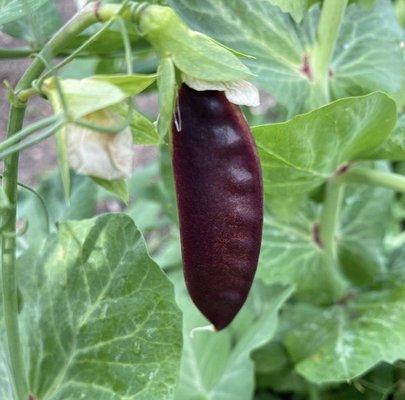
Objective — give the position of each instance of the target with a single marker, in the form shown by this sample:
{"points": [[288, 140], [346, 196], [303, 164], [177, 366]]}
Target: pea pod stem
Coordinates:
{"points": [[87, 16], [328, 30], [375, 177]]}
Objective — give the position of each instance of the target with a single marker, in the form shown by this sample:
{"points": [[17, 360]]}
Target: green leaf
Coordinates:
{"points": [[230, 372], [147, 208], [299, 155], [394, 147], [367, 57], [260, 29], [82, 205], [143, 130], [396, 273], [291, 254], [365, 218], [84, 96], [80, 68], [296, 8], [192, 52], [168, 254], [118, 187], [368, 54], [167, 93], [99, 92], [108, 43], [152, 213], [6, 391], [15, 9], [36, 22], [166, 172], [129, 84], [147, 215], [99, 316], [270, 358], [95, 93], [365, 3], [343, 341]]}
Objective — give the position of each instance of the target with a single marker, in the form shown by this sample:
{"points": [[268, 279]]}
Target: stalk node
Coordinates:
{"points": [[13, 96], [343, 169], [96, 9]]}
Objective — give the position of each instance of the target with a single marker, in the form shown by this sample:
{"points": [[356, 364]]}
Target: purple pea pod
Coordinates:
{"points": [[220, 201]]}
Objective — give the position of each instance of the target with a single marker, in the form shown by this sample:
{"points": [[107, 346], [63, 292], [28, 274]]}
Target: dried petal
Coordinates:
{"points": [[238, 92], [102, 155]]}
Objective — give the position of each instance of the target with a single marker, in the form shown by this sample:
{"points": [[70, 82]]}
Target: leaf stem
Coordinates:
{"points": [[330, 215], [375, 177], [41, 200], [16, 52], [127, 46], [313, 392], [49, 131], [87, 16], [23, 133], [328, 229], [328, 30]]}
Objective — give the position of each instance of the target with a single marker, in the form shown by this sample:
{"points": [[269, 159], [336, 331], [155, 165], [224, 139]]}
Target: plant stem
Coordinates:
{"points": [[330, 215], [84, 18], [24, 95], [336, 283], [375, 177], [16, 53], [328, 30], [313, 392], [10, 302]]}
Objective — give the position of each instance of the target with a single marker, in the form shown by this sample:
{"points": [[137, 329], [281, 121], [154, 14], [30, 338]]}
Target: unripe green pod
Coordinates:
{"points": [[220, 201]]}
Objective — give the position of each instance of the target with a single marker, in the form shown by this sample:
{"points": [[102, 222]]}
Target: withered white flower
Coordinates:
{"points": [[102, 155], [239, 92]]}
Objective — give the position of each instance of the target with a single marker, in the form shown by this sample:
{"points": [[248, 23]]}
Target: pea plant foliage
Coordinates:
{"points": [[94, 304]]}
